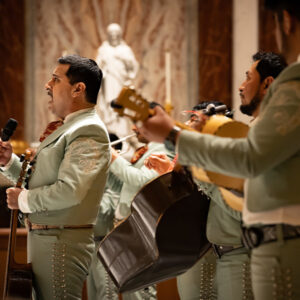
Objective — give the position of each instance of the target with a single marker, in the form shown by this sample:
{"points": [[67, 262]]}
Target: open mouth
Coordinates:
{"points": [[49, 93]]}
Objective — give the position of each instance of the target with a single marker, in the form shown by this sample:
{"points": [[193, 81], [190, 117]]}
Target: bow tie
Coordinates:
{"points": [[138, 154], [52, 126]]}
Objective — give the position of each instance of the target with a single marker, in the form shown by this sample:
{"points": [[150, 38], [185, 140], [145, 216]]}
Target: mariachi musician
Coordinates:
{"points": [[68, 181], [232, 278], [126, 179], [202, 281]]}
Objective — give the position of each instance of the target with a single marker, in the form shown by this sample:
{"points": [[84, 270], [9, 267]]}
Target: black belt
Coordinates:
{"points": [[220, 250], [32, 226], [254, 236]]}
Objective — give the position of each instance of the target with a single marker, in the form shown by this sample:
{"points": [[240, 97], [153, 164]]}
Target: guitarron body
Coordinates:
{"points": [[162, 238]]}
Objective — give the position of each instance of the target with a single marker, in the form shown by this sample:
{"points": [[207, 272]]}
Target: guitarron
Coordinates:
{"points": [[164, 235]]}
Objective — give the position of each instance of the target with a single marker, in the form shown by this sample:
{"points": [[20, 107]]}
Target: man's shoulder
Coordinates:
{"points": [[86, 118], [289, 76], [159, 148], [88, 122], [285, 89]]}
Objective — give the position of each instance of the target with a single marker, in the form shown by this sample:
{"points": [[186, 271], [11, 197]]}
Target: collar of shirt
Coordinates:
{"points": [[71, 116]]}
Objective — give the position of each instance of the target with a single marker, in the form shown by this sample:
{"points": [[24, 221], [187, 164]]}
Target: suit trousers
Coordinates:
{"points": [[197, 282], [233, 280], [60, 261], [275, 270], [99, 284]]}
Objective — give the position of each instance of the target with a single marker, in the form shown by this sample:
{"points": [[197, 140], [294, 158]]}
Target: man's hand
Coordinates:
{"points": [[5, 152], [12, 197], [160, 163], [157, 127], [114, 154]]}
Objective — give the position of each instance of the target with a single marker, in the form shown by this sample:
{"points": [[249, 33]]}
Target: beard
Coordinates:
{"points": [[249, 109]]}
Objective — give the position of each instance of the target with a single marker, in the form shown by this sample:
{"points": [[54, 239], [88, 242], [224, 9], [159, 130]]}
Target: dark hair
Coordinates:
{"points": [[202, 105], [277, 6], [270, 64], [84, 70]]}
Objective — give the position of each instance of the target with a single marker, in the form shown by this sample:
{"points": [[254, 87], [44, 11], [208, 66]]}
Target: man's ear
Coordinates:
{"points": [[266, 83], [78, 89]]}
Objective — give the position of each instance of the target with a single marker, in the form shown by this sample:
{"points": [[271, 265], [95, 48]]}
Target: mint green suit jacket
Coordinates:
{"points": [[134, 176], [70, 172], [223, 223]]}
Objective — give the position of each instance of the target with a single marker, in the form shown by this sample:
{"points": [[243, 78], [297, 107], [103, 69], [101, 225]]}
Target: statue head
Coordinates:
{"points": [[114, 34]]}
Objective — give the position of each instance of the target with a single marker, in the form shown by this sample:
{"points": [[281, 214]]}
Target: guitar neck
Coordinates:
{"points": [[12, 238], [11, 263]]}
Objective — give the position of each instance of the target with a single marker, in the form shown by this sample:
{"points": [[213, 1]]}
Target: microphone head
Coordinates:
{"points": [[9, 129]]}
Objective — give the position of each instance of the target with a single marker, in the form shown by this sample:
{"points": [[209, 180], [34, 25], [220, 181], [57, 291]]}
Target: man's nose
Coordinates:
{"points": [[48, 85], [241, 88]]}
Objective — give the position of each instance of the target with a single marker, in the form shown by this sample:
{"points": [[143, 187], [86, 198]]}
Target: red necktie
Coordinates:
{"points": [[52, 126], [138, 154]]}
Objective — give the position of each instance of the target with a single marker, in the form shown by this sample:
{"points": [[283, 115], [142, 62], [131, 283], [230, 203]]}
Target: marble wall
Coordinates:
{"points": [[267, 39], [215, 50], [211, 43], [12, 53], [245, 44], [79, 26]]}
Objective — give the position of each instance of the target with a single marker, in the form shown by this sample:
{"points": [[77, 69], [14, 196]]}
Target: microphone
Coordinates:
{"points": [[9, 129]]}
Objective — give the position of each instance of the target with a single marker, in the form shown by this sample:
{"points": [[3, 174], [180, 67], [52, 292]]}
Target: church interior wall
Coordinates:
{"points": [[200, 35]]}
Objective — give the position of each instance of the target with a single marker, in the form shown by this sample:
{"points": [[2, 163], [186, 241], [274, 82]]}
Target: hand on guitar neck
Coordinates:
{"points": [[157, 127], [134, 106], [12, 197]]}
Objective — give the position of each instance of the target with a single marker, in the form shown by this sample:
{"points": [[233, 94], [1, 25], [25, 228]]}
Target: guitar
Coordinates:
{"points": [[18, 277], [134, 106]]}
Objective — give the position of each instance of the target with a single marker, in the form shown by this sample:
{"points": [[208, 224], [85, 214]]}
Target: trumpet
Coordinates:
{"points": [[122, 139]]}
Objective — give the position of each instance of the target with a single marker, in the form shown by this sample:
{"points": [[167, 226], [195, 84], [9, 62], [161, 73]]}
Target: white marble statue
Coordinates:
{"points": [[119, 67]]}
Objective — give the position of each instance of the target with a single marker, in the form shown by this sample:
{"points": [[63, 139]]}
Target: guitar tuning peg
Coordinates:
{"points": [[32, 162], [29, 171], [139, 124], [22, 157]]}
